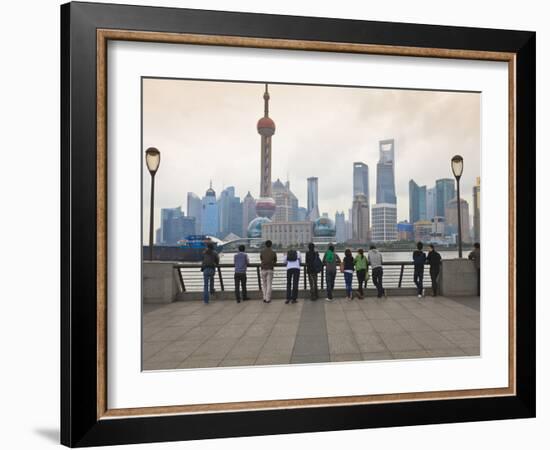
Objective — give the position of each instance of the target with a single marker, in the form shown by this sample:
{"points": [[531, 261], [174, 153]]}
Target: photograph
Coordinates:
{"points": [[288, 223]]}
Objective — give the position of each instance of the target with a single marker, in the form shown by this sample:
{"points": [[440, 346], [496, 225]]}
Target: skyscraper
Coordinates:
{"points": [[313, 198], [384, 222], [417, 202], [249, 211], [286, 202], [230, 212], [265, 205], [451, 218], [174, 226], [209, 213], [431, 199], [361, 179], [477, 198], [340, 223], [445, 192], [385, 173], [194, 206], [360, 218]]}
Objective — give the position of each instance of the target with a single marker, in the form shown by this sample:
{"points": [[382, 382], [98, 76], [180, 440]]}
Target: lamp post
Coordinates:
{"points": [[457, 166], [152, 159]]}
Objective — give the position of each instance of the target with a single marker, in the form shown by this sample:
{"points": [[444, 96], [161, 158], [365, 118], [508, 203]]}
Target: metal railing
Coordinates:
{"points": [[396, 274]]}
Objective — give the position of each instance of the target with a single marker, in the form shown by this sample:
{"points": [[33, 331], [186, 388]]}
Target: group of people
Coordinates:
{"points": [[331, 263]]}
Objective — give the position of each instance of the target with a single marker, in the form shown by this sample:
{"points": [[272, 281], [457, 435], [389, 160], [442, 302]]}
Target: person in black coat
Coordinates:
{"points": [[419, 259], [434, 260]]}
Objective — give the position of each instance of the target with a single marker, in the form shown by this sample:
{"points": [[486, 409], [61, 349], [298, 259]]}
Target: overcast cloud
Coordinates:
{"points": [[207, 131]]}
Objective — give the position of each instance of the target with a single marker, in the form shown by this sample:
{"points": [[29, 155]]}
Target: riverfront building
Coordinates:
{"points": [[445, 192], [384, 222], [194, 207], [231, 213], [210, 214], [405, 231], [438, 228], [288, 234], [340, 224], [423, 231], [174, 225], [360, 218], [361, 179], [477, 198], [385, 173], [249, 212], [313, 198], [417, 202], [431, 202], [286, 202], [451, 218]]}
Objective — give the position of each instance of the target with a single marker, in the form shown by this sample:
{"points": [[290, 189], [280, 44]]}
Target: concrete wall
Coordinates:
{"points": [[160, 283], [458, 278]]}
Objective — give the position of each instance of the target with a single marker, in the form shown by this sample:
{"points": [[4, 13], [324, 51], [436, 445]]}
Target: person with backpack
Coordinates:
{"points": [[268, 259], [348, 267], [293, 261], [375, 260], [419, 259], [434, 260], [210, 261], [475, 256], [361, 269], [331, 260], [314, 265]]}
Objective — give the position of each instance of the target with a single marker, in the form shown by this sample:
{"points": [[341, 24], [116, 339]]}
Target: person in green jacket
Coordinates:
{"points": [[361, 269]]}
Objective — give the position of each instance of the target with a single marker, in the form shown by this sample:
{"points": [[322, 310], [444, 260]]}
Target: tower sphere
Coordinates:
{"points": [[265, 207], [266, 126]]}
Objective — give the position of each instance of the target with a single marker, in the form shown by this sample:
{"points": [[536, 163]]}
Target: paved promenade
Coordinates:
{"points": [[189, 334]]}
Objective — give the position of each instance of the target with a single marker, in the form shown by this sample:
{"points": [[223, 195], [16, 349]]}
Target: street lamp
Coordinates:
{"points": [[457, 166], [152, 159]]}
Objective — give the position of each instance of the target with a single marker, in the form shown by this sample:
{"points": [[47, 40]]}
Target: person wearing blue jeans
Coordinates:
{"points": [[210, 261], [348, 268]]}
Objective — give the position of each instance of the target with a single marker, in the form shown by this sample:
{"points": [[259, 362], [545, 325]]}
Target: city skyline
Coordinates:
{"points": [[331, 162]]}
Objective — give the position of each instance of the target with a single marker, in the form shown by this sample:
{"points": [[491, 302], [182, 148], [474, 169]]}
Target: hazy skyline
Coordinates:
{"points": [[206, 131]]}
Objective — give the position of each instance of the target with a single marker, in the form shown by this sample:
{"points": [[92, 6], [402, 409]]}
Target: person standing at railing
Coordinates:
{"points": [[268, 259], [475, 256], [375, 260], [293, 261], [361, 269], [348, 267], [241, 262], [331, 260], [314, 265], [210, 261], [434, 260], [419, 259]]}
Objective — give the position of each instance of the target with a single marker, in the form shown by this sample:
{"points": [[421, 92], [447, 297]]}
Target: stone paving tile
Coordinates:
{"points": [[267, 360], [215, 348], [412, 354], [284, 329], [386, 326], [462, 338], [259, 330], [167, 334], [150, 348], [414, 324], [237, 362], [364, 326], [440, 324], [309, 358], [342, 357], [376, 314], [432, 340], [397, 342], [471, 351], [342, 343], [278, 344], [339, 326], [199, 363], [231, 331], [310, 345], [201, 332], [450, 352], [163, 365], [376, 356], [247, 347], [370, 343]]}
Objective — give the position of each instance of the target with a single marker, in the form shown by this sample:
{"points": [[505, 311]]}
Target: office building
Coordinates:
{"points": [[417, 202], [360, 219], [313, 198], [384, 222], [249, 211], [361, 179], [423, 231], [286, 203], [438, 228], [451, 217], [340, 223], [209, 214], [385, 173], [230, 212], [445, 192], [194, 207], [477, 198], [431, 201], [288, 234], [405, 231], [174, 226]]}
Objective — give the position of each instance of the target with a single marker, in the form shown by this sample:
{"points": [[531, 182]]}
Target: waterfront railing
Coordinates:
{"points": [[396, 274]]}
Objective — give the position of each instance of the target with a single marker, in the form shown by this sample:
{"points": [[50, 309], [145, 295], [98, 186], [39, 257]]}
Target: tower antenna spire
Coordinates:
{"points": [[266, 102]]}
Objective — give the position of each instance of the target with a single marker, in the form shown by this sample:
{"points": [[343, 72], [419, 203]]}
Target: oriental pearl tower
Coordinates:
{"points": [[265, 205]]}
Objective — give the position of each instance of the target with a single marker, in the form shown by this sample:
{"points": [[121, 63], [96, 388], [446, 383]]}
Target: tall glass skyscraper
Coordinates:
{"points": [[194, 207], [385, 173], [445, 192], [361, 180], [431, 200], [417, 202], [313, 198], [209, 213]]}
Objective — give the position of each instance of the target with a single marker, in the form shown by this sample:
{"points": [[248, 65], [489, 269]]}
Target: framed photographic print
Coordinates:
{"points": [[275, 224]]}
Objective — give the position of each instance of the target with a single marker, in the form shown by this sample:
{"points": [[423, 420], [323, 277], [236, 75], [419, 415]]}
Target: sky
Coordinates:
{"points": [[206, 130]]}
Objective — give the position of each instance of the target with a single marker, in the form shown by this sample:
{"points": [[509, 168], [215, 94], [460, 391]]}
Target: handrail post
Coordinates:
{"points": [[220, 278], [322, 279], [305, 278], [259, 278], [180, 276], [401, 275]]}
